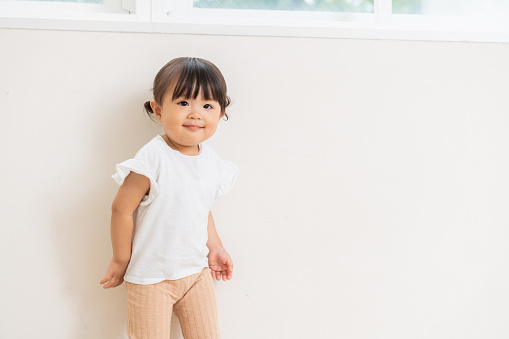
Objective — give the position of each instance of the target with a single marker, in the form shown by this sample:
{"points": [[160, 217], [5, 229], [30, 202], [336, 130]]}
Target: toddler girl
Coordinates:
{"points": [[165, 245]]}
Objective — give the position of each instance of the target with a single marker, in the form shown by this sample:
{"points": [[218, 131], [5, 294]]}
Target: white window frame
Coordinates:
{"points": [[56, 15], [179, 16]]}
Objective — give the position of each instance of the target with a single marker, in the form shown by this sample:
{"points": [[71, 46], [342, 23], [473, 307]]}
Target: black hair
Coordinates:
{"points": [[192, 75]]}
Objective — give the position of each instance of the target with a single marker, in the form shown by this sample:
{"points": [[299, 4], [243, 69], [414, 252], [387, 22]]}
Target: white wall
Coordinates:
{"points": [[372, 201]]}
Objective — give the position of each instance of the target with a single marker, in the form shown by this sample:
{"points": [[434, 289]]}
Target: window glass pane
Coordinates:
{"points": [[80, 1], [407, 6], [364, 6], [477, 8]]}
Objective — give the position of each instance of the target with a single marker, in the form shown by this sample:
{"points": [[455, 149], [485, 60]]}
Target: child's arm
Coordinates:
{"points": [[220, 262], [213, 241], [126, 201]]}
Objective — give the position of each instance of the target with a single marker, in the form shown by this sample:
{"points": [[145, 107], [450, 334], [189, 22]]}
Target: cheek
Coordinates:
{"points": [[212, 123], [173, 120]]}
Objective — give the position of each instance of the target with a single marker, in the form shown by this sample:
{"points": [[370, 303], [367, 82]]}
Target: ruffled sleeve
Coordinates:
{"points": [[228, 172], [122, 171]]}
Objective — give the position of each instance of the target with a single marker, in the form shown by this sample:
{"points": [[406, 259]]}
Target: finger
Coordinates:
{"points": [[229, 270], [118, 283], [218, 275], [105, 279], [111, 283]]}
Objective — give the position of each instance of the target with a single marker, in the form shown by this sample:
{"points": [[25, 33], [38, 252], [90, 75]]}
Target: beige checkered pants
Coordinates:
{"points": [[192, 299]]}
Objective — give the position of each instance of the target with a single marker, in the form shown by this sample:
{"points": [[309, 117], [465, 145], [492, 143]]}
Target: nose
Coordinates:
{"points": [[194, 113]]}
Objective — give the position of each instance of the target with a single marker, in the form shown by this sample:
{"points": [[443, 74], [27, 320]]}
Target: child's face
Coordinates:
{"points": [[179, 117]]}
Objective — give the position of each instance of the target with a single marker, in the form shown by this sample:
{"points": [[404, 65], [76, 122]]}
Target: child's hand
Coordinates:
{"points": [[115, 274], [220, 264]]}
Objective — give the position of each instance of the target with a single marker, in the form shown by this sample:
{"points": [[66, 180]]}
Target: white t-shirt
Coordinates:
{"points": [[170, 225]]}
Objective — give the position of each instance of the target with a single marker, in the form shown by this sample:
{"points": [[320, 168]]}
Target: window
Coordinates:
{"points": [[364, 6], [471, 8], [99, 15], [463, 20], [85, 1]]}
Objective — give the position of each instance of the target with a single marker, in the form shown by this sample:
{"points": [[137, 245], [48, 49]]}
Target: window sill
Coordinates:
{"points": [[402, 30]]}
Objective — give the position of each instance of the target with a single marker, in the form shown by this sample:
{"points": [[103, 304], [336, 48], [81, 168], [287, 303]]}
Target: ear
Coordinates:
{"points": [[222, 114], [156, 109]]}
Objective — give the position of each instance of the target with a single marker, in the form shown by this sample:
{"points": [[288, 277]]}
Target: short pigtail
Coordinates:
{"points": [[227, 102], [148, 108], [149, 111]]}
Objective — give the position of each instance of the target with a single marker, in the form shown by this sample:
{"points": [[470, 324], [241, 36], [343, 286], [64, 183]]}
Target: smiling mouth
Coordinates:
{"points": [[192, 127]]}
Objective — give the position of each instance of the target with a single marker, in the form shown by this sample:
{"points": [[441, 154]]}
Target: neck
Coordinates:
{"points": [[189, 149]]}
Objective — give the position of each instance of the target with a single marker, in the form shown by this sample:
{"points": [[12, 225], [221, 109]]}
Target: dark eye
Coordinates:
{"points": [[183, 103], [207, 106]]}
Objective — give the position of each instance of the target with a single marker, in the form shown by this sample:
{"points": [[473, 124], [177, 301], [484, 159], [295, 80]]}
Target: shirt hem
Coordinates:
{"points": [[149, 281]]}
